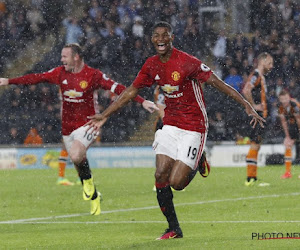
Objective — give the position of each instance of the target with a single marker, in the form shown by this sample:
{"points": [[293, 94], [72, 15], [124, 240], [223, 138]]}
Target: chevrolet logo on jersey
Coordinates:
{"points": [[73, 93], [169, 88]]}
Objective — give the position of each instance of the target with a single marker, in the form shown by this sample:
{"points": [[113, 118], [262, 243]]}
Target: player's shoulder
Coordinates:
{"points": [[56, 69], [89, 68], [152, 60], [186, 56], [253, 77], [255, 73]]}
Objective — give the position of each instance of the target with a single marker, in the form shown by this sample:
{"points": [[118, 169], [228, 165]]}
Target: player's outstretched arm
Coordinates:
{"points": [[3, 81], [98, 120], [216, 82]]}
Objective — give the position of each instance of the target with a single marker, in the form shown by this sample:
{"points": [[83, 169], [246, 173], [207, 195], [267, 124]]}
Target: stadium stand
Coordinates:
{"points": [[115, 36]]}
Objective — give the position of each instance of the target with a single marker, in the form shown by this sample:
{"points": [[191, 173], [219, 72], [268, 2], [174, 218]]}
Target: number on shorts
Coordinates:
{"points": [[88, 136], [193, 151]]}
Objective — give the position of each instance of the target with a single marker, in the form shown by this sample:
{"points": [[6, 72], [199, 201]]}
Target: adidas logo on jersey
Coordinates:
{"points": [[157, 78], [65, 81]]}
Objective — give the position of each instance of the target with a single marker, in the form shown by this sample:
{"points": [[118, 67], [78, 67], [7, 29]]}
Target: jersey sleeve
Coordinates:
{"points": [[254, 79], [104, 82], [143, 78], [199, 70], [52, 76]]}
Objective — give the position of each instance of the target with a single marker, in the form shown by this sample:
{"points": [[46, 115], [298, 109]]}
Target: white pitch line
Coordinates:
{"points": [[147, 208], [155, 222]]}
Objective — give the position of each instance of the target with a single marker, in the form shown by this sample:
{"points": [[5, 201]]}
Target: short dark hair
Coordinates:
{"points": [[164, 25], [76, 49], [283, 92]]}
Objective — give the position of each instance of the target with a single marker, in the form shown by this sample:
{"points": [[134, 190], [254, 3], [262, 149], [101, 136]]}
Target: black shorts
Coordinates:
{"points": [[293, 131], [257, 134]]}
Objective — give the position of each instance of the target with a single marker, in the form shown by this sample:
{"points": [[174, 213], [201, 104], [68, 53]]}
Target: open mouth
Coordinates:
{"points": [[161, 46]]}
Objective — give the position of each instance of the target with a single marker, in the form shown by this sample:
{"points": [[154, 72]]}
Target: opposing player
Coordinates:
{"points": [[180, 143], [255, 92], [289, 114], [78, 82]]}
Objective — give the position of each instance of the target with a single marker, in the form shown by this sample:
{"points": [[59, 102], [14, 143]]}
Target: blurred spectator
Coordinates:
{"points": [[240, 43], [234, 80], [280, 85], [191, 37], [94, 9], [294, 88], [74, 33], [284, 69], [113, 45], [33, 138], [53, 13], [218, 127], [137, 27], [238, 60], [220, 49], [286, 10], [36, 21], [13, 137]]}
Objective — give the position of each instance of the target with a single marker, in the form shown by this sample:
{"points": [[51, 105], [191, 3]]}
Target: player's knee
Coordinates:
{"points": [[161, 176], [76, 158]]}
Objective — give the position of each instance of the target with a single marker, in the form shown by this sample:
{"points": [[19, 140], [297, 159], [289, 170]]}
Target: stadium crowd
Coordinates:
{"points": [[115, 36]]}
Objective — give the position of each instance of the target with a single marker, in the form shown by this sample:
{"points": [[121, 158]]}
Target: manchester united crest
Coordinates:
{"points": [[175, 76], [83, 84]]}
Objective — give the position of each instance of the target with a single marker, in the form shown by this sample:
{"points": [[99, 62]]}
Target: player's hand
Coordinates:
{"points": [[258, 107], [150, 106], [256, 118], [95, 123], [3, 81]]}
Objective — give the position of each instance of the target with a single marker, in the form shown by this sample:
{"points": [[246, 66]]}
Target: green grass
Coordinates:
{"points": [[218, 212]]}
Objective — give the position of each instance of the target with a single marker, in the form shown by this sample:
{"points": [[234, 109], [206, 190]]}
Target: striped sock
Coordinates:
{"points": [[251, 160], [62, 162], [288, 159]]}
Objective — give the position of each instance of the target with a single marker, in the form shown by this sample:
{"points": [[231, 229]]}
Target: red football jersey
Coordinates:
{"points": [[180, 80], [77, 91]]}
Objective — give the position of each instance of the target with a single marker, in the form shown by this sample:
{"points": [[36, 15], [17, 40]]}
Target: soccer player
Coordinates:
{"points": [[289, 114], [180, 143], [78, 82], [203, 165], [255, 92]]}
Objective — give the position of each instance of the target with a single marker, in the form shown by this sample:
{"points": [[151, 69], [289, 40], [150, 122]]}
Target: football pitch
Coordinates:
{"points": [[218, 212]]}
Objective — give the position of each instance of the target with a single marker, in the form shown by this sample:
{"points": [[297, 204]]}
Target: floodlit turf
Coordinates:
{"points": [[218, 212]]}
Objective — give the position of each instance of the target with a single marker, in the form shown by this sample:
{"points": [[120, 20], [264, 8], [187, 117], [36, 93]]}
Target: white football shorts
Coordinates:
{"points": [[81, 134], [179, 144]]}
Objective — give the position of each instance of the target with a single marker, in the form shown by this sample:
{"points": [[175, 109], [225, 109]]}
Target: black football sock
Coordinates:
{"points": [[84, 170], [85, 174], [165, 201]]}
